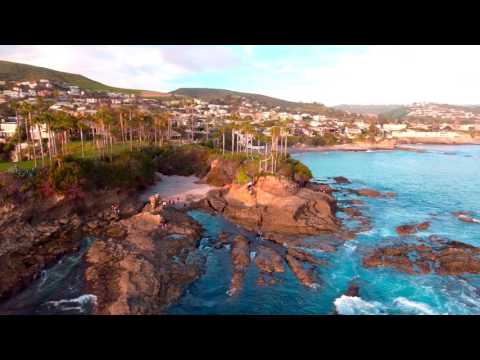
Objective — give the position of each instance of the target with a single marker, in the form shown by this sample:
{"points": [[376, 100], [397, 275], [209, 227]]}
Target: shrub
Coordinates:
{"points": [[302, 173], [241, 177]]}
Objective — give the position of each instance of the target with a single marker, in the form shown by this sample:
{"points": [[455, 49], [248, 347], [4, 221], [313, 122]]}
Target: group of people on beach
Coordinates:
{"points": [[116, 210], [170, 202]]}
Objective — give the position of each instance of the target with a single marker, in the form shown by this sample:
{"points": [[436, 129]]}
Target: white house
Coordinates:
{"points": [[394, 127]]}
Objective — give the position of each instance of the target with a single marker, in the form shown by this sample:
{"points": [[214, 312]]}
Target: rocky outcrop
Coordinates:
{"points": [[324, 188], [276, 205], [466, 216], [305, 276], [148, 268], [373, 193], [409, 229], [37, 231], [268, 260], [240, 260], [222, 172], [341, 180], [442, 257], [304, 256]]}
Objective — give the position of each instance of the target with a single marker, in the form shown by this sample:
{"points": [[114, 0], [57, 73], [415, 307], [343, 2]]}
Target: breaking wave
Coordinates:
{"points": [[354, 305], [414, 307]]}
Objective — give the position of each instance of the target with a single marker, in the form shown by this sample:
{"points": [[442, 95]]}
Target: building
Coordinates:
{"points": [[394, 127], [74, 90], [8, 127], [424, 134]]}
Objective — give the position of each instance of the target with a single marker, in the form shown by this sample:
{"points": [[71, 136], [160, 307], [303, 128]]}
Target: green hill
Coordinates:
{"points": [[11, 71], [229, 97]]}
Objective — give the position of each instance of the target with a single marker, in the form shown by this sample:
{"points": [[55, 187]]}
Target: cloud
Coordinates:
{"points": [[144, 67], [327, 74], [384, 74]]}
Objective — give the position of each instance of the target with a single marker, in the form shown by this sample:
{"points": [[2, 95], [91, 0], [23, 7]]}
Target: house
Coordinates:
{"points": [[352, 132], [91, 100], [394, 127], [8, 127], [11, 93], [424, 134], [74, 90]]}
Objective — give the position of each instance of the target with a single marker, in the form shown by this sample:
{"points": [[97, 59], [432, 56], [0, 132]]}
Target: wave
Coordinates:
{"points": [[77, 304], [354, 305], [409, 306]]}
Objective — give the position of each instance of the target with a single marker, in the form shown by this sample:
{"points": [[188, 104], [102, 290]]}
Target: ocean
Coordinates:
{"points": [[430, 185]]}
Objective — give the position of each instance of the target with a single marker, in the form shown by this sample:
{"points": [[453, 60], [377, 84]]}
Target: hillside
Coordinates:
{"points": [[368, 109], [11, 71], [231, 97]]}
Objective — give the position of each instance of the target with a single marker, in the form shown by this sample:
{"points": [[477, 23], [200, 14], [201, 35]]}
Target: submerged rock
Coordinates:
{"points": [[305, 276], [443, 258], [240, 260], [466, 216], [304, 256], [341, 180], [268, 260], [373, 193], [408, 229]]}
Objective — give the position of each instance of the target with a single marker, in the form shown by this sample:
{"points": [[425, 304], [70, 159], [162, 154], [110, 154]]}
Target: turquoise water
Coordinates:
{"points": [[429, 186]]}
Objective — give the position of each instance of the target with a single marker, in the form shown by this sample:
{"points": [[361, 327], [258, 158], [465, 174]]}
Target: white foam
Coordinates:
{"points": [[80, 302], [354, 305], [350, 247], [410, 306], [253, 254], [314, 286]]}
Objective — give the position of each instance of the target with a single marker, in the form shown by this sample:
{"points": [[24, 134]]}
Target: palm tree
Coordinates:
{"points": [[275, 135], [26, 111], [38, 120]]}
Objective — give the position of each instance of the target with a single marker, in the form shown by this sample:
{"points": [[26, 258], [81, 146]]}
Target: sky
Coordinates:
{"points": [[332, 75]]}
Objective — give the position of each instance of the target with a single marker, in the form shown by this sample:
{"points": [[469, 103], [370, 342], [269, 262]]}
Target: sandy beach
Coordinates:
{"points": [[181, 189]]}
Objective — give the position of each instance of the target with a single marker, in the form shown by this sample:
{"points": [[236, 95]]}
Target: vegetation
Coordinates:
{"points": [[17, 72], [221, 96], [327, 139], [5, 151], [73, 176]]}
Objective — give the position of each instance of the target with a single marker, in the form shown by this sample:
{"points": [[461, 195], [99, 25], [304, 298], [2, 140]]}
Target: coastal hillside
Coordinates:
{"points": [[229, 97], [12, 71], [369, 109]]}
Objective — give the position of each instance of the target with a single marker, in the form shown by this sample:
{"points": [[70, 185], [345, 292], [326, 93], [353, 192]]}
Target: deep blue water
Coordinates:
{"points": [[429, 186]]}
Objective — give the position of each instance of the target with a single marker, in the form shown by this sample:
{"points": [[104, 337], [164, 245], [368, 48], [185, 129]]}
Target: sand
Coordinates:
{"points": [[174, 187]]}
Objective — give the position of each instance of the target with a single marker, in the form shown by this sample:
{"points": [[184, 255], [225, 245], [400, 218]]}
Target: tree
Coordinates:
{"points": [[471, 131], [26, 110], [372, 131]]}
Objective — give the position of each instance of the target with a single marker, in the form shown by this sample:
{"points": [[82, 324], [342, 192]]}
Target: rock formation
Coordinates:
{"points": [[148, 268], [276, 205], [441, 257], [372, 193], [240, 260], [408, 229], [341, 180], [37, 231]]}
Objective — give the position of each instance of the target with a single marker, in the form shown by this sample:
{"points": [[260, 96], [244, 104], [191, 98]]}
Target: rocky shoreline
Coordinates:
{"points": [[387, 145], [145, 255]]}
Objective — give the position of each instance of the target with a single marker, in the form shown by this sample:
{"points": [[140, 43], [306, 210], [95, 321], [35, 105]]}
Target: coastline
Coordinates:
{"points": [[382, 146]]}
